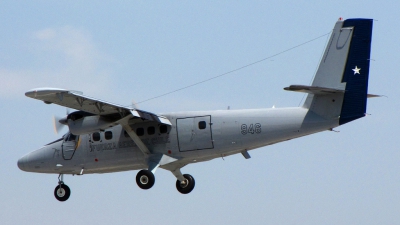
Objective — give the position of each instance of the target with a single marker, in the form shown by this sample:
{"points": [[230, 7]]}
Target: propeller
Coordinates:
{"points": [[57, 125], [60, 122]]}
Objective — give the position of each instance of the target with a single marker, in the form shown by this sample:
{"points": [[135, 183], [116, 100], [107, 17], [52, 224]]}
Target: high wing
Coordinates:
{"points": [[76, 100]]}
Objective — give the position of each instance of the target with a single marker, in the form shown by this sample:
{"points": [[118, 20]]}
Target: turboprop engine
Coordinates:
{"points": [[80, 122]]}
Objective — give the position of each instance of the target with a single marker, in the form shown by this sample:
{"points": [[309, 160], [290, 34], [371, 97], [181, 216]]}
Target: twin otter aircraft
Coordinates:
{"points": [[104, 137]]}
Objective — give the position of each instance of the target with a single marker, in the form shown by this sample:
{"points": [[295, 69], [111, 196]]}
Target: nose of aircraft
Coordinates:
{"points": [[35, 161], [22, 162]]}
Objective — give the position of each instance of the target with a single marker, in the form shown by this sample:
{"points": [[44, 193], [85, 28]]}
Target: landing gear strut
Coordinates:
{"points": [[62, 191], [145, 179]]}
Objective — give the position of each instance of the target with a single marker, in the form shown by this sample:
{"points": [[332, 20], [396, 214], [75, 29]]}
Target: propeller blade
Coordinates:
{"points": [[134, 104], [57, 125]]}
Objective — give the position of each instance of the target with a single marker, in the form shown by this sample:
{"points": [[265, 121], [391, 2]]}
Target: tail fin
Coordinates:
{"points": [[340, 87]]}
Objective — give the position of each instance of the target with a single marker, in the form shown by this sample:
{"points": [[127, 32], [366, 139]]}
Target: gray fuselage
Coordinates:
{"points": [[193, 137]]}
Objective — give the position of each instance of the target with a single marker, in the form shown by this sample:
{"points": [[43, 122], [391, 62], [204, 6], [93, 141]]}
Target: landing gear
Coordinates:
{"points": [[145, 179], [62, 191], [185, 186]]}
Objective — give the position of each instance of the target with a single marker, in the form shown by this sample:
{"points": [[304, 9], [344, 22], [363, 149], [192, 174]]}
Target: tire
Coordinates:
{"points": [[145, 179], [62, 192], [188, 187]]}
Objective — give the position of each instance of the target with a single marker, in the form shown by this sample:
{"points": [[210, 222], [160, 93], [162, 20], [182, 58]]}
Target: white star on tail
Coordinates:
{"points": [[356, 70]]}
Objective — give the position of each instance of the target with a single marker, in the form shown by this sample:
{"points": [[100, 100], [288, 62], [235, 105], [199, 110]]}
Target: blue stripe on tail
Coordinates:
{"points": [[355, 97]]}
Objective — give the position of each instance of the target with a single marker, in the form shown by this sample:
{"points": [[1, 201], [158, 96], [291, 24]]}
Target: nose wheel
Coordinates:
{"points": [[62, 191]]}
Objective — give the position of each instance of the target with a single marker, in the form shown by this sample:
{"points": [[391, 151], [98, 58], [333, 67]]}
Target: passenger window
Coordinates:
{"points": [[163, 129], [139, 131], [108, 135], [96, 136], [151, 130], [202, 125]]}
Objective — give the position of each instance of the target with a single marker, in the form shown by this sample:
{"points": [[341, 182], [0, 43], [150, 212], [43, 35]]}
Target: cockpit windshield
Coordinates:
{"points": [[69, 137]]}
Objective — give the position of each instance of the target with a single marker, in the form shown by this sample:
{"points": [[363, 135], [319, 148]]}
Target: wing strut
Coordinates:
{"points": [[136, 139], [153, 160]]}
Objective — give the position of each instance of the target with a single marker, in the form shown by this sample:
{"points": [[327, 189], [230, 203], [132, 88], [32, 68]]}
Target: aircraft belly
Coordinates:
{"points": [[114, 161]]}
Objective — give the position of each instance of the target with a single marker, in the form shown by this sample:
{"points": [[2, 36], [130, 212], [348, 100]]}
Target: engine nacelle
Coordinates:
{"points": [[89, 124]]}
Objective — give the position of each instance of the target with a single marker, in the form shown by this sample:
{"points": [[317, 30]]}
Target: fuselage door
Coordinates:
{"points": [[69, 146], [194, 133]]}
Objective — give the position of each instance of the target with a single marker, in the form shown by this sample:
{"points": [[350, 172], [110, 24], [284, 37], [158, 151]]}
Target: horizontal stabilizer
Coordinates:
{"points": [[313, 89]]}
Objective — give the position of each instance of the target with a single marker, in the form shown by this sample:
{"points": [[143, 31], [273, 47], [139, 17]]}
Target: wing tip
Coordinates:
{"points": [[43, 91]]}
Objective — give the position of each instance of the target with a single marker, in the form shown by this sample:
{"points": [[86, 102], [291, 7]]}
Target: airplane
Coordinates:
{"points": [[104, 137]]}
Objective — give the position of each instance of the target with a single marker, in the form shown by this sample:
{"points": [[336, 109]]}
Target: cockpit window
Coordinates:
{"points": [[71, 137]]}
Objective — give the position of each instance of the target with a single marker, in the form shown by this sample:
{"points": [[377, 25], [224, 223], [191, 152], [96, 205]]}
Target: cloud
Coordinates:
{"points": [[45, 34], [64, 57]]}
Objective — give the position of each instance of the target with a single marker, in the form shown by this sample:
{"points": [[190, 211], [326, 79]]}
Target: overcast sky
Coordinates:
{"points": [[128, 51]]}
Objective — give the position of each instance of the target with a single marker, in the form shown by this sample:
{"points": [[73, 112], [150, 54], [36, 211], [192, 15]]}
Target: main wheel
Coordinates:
{"points": [[62, 192], [186, 186], [145, 179]]}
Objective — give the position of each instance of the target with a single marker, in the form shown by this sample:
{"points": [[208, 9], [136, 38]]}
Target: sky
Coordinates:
{"points": [[131, 51]]}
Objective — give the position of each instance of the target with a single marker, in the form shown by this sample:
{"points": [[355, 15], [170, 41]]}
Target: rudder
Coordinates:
{"points": [[356, 72]]}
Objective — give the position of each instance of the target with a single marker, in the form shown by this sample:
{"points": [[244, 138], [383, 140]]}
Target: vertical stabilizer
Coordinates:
{"points": [[344, 67]]}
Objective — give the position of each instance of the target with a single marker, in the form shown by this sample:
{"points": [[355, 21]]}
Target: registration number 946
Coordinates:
{"points": [[250, 128]]}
